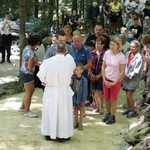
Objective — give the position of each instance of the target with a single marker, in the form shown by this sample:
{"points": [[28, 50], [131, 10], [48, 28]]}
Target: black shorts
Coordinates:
{"points": [[114, 17], [97, 86]]}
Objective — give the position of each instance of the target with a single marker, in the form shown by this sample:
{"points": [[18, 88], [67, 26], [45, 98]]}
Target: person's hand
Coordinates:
{"points": [[38, 63], [81, 104], [93, 77], [144, 71], [125, 77], [109, 84], [97, 77]]}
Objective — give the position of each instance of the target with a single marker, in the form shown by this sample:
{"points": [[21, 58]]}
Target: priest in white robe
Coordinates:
{"points": [[57, 112]]}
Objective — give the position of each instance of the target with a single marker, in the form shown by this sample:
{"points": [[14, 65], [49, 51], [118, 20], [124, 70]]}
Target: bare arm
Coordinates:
{"points": [[88, 65], [145, 58], [103, 71], [122, 73]]}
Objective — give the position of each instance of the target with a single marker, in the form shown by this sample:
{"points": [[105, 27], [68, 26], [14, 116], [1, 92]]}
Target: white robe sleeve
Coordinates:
{"points": [[42, 72]]}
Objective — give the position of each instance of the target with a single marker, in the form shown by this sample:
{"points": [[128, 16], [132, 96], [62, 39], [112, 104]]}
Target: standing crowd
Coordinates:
{"points": [[72, 71]]}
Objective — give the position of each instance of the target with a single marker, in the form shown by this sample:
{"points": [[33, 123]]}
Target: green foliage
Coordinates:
{"points": [[46, 9], [11, 88]]}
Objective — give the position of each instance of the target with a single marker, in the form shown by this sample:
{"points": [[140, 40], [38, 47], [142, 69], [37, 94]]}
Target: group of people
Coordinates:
{"points": [[118, 13], [59, 84], [72, 70]]}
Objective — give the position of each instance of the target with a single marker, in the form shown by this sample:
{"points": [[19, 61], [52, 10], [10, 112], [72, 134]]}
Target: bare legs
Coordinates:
{"points": [[130, 111], [26, 102], [98, 97], [76, 123], [76, 109], [130, 100], [111, 106]]}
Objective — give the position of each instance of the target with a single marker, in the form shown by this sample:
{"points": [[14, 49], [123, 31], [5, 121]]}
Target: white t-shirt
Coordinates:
{"points": [[129, 6], [112, 70], [126, 47], [139, 8], [6, 29]]}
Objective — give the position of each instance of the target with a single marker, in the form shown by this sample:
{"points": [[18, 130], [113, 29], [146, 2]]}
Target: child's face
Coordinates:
{"points": [[99, 45], [54, 40], [78, 71]]}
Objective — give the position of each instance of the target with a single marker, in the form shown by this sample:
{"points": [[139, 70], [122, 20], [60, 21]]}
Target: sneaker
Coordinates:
{"points": [[131, 114], [106, 117], [30, 114], [111, 120], [80, 127], [21, 110], [126, 112]]}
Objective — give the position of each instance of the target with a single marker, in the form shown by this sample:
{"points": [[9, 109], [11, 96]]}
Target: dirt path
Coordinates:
{"points": [[22, 133]]}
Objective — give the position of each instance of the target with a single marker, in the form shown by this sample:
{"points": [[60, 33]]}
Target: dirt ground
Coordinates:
{"points": [[18, 132]]}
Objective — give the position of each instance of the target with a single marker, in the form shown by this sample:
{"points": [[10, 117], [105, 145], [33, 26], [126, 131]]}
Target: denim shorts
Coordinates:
{"points": [[26, 78]]}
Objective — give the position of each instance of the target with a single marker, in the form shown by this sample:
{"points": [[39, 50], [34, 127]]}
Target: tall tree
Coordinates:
{"points": [[74, 3], [36, 9], [22, 12]]}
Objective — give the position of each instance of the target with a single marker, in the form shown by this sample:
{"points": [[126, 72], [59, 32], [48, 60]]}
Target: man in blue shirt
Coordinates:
{"points": [[61, 37], [81, 54]]}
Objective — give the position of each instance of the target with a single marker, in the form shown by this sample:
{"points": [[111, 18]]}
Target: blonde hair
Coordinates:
{"points": [[68, 26], [76, 32], [118, 42]]}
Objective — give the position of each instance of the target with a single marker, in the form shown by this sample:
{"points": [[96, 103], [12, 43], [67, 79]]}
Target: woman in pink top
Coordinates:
{"points": [[113, 69]]}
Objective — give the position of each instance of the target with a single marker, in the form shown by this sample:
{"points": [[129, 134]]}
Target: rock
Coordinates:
{"points": [[129, 138], [132, 134], [131, 148], [143, 145], [142, 126], [139, 132], [134, 124], [142, 133]]}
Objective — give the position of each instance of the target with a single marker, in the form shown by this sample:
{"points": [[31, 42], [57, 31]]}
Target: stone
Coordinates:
{"points": [[142, 133]]}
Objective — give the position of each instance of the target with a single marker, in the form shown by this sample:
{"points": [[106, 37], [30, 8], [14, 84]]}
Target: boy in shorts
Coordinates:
{"points": [[80, 88]]}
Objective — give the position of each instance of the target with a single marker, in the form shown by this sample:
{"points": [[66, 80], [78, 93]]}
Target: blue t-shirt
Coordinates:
{"points": [[82, 55]]}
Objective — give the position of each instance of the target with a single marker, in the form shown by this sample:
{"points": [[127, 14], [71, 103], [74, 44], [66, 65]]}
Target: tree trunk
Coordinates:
{"points": [[57, 14], [22, 12], [74, 4], [36, 9]]}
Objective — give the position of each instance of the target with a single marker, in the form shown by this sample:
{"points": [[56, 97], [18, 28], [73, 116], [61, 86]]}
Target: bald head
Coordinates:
{"points": [[77, 41]]}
